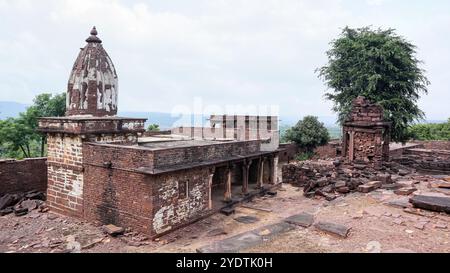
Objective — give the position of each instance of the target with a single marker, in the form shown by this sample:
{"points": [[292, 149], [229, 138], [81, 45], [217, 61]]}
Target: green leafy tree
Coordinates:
{"points": [[436, 131], [153, 128], [18, 136], [309, 133], [380, 65], [44, 105], [15, 136]]}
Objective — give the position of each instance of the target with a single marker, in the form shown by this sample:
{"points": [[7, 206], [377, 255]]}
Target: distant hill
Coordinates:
{"points": [[10, 109]]}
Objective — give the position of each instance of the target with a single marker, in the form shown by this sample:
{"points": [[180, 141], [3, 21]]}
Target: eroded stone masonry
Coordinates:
{"points": [[366, 135]]}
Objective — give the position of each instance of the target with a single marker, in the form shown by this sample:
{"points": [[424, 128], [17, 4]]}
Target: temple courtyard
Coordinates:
{"points": [[379, 221]]}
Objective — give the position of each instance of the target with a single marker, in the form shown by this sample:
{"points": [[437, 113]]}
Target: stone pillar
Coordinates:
{"points": [[245, 173], [351, 146], [210, 181], [274, 165], [227, 196], [386, 141], [344, 142], [261, 173]]}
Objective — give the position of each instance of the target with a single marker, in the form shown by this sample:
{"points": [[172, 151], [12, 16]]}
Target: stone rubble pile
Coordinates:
{"points": [[22, 203], [330, 179]]}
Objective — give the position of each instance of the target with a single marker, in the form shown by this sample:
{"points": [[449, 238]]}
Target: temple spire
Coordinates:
{"points": [[93, 84], [93, 38]]}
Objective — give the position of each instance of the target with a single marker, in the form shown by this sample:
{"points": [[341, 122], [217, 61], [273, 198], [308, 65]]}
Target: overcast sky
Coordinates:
{"points": [[254, 52]]}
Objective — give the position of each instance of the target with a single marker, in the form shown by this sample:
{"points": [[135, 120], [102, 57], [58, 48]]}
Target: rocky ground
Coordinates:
{"points": [[379, 221]]}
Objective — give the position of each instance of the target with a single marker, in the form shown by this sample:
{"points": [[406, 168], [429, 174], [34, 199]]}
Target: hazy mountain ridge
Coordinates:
{"points": [[167, 120]]}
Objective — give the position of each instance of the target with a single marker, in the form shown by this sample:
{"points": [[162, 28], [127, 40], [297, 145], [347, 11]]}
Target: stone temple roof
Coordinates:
{"points": [[93, 83]]}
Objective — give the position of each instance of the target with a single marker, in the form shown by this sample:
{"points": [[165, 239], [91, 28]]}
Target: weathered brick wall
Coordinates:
{"points": [[65, 174], [288, 152], [368, 145], [65, 169], [327, 151], [150, 204], [147, 203], [363, 110], [125, 157], [179, 198], [23, 175], [118, 197], [291, 150], [196, 154], [435, 145], [426, 159]]}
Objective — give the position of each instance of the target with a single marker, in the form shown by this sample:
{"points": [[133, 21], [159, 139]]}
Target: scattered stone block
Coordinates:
{"points": [[405, 191], [302, 219], [406, 183], [7, 201], [35, 195], [43, 208], [385, 178], [420, 225], [365, 188], [443, 185], [29, 204], [333, 228], [433, 203], [19, 211], [322, 182], [343, 190], [113, 230], [227, 211], [246, 219], [6, 211], [272, 193], [328, 197], [246, 240], [403, 172], [360, 166], [375, 184], [340, 184], [216, 232]]}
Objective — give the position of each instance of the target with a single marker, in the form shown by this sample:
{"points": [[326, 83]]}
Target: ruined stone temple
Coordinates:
{"points": [[102, 169], [366, 135]]}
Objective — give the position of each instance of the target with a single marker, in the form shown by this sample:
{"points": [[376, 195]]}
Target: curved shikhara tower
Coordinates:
{"points": [[93, 84]]}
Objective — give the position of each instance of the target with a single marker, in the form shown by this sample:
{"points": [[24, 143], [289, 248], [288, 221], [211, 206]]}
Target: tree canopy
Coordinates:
{"points": [[433, 131], [153, 128], [381, 66], [18, 136], [308, 133]]}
